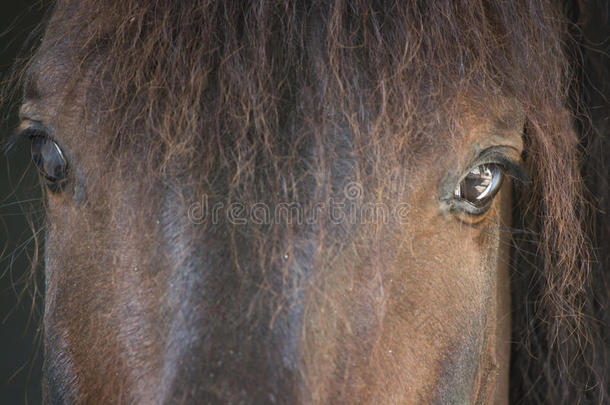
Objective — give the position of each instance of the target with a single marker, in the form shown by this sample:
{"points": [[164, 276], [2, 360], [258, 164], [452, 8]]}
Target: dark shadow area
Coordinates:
{"points": [[20, 219]]}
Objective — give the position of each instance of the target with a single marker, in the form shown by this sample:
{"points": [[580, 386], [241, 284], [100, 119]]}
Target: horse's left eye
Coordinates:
{"points": [[50, 161], [480, 185]]}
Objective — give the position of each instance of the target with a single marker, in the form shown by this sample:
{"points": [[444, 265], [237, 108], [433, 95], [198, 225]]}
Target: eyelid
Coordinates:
{"points": [[28, 130], [510, 167], [25, 131], [28, 125]]}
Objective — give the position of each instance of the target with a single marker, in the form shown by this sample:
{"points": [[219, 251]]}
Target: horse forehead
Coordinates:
{"points": [[51, 75]]}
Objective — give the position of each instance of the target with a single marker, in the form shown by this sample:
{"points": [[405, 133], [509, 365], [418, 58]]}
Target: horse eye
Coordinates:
{"points": [[480, 185], [50, 161]]}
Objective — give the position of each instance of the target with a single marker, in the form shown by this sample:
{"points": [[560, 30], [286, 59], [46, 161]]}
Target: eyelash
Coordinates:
{"points": [[509, 167], [28, 133]]}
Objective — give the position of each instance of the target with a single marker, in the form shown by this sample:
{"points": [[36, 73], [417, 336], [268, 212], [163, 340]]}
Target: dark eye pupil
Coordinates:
{"points": [[48, 158], [480, 184]]}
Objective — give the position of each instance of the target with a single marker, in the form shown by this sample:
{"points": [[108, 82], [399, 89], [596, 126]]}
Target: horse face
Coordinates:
{"points": [[165, 286]]}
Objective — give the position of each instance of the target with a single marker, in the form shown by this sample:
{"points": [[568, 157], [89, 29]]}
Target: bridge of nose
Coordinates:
{"points": [[234, 323]]}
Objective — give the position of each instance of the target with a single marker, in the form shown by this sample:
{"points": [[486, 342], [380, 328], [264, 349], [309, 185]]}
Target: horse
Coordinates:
{"points": [[327, 202]]}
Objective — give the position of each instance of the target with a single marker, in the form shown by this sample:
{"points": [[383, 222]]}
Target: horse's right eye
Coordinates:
{"points": [[50, 161], [480, 185], [474, 194]]}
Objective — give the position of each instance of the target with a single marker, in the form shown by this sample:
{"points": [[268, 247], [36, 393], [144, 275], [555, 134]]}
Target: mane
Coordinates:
{"points": [[561, 304], [267, 81]]}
